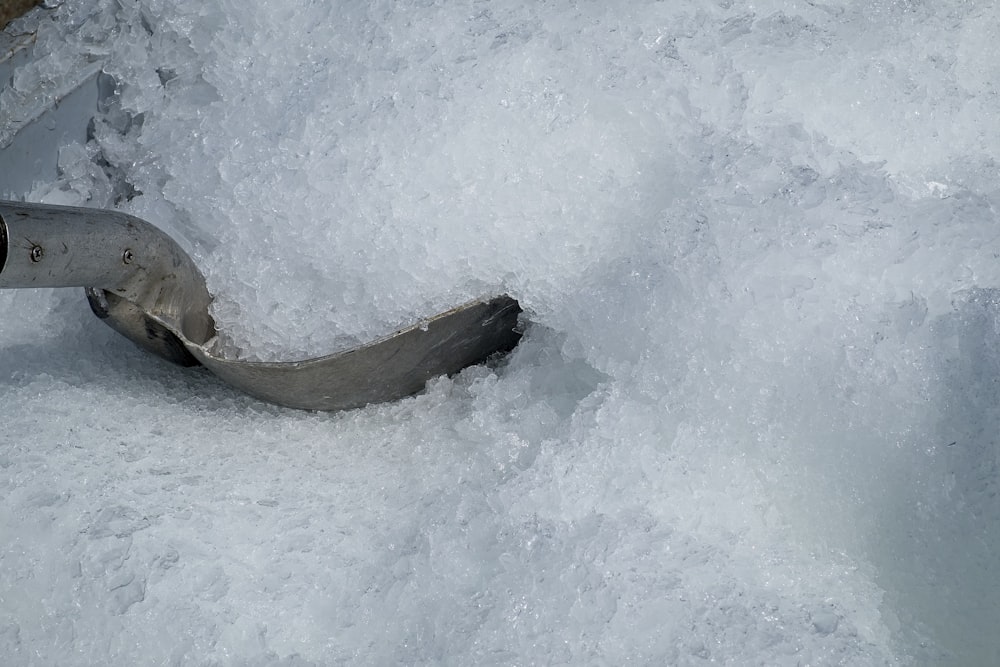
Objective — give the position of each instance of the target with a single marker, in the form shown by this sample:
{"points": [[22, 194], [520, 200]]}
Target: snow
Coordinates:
{"points": [[753, 418]]}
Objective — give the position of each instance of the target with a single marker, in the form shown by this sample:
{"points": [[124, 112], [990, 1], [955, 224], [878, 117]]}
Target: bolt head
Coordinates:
{"points": [[37, 252]]}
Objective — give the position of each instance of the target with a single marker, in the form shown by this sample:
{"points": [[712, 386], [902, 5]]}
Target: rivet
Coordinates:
{"points": [[37, 252], [127, 256]]}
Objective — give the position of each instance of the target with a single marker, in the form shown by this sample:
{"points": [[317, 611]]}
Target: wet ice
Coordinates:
{"points": [[751, 419]]}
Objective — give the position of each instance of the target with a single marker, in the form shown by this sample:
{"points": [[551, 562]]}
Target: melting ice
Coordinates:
{"points": [[753, 420]]}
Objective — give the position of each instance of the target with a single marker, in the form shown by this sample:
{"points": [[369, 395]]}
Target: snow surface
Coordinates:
{"points": [[754, 418]]}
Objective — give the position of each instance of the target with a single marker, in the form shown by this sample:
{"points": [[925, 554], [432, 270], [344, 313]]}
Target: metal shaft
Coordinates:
{"points": [[43, 245], [66, 247]]}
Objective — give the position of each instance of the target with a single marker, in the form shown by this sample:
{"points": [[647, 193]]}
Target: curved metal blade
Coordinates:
{"points": [[392, 367], [142, 284]]}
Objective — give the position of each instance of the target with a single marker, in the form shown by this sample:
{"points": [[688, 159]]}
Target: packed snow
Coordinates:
{"points": [[754, 416]]}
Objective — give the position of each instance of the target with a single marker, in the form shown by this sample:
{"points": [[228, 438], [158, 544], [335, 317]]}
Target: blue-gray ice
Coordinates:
{"points": [[754, 418]]}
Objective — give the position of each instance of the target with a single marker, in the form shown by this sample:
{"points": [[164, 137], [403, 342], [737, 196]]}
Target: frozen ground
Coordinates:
{"points": [[754, 418]]}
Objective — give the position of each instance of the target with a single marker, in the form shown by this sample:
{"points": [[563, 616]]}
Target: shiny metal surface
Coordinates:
{"points": [[390, 368], [155, 297], [142, 284]]}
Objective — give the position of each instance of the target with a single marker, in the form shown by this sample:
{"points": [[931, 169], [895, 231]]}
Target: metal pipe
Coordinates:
{"points": [[127, 258], [49, 246]]}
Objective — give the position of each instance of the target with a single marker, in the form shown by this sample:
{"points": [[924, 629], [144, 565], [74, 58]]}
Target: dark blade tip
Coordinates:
{"points": [[3, 244]]}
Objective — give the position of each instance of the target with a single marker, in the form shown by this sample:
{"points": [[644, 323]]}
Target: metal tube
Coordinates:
{"points": [[48, 246], [63, 246]]}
